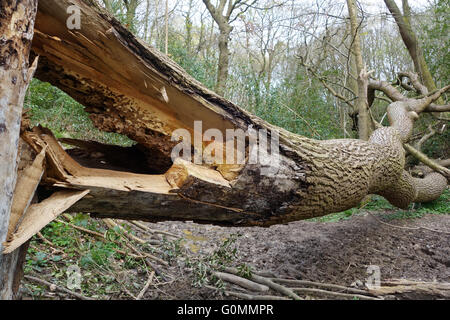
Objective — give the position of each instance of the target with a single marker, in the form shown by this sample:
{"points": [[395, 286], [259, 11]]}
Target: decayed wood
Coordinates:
{"points": [[16, 30], [132, 89], [410, 289], [26, 186]]}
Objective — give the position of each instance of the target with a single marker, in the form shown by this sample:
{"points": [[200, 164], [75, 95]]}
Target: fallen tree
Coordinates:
{"points": [[132, 89]]}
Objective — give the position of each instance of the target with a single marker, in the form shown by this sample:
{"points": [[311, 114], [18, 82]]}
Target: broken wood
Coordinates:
{"points": [[411, 289], [242, 282], [40, 214], [150, 97]]}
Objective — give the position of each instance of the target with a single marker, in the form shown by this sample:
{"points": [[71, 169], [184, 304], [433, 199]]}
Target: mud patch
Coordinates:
{"points": [[333, 252]]}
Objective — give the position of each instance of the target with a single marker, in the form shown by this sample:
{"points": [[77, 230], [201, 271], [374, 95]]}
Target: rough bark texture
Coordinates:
{"points": [[16, 30], [150, 96], [224, 57]]}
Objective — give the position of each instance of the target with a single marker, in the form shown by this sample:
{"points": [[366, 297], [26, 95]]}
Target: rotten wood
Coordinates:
{"points": [[16, 29]]}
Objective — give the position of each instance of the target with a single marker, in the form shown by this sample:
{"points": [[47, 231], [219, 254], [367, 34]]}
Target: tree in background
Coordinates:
{"points": [[223, 16]]}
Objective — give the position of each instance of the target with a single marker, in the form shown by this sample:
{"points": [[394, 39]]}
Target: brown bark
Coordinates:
{"points": [[147, 98], [224, 57]]}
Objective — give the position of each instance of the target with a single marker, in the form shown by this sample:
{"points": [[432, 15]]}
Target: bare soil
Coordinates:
{"points": [[332, 252]]}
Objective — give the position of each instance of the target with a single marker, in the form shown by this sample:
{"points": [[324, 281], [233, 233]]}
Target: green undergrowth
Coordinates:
{"points": [[108, 265], [105, 273], [52, 108], [377, 203]]}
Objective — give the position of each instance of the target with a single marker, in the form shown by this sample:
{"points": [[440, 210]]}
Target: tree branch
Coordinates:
{"points": [[427, 161]]}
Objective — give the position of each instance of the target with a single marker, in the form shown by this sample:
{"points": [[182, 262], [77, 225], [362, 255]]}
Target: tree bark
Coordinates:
{"points": [[150, 96], [16, 27], [224, 57], [364, 128], [130, 88]]}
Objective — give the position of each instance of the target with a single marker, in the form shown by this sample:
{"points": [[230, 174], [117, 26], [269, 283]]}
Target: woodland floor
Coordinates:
{"points": [[336, 252], [331, 252]]}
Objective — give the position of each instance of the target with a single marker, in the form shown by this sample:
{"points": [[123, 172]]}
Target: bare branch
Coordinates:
{"points": [[437, 108], [427, 161], [415, 82]]}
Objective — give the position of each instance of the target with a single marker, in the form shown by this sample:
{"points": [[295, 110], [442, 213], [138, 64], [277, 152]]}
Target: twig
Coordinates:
{"points": [[94, 233], [48, 242], [148, 255], [319, 284], [145, 288], [158, 272], [112, 224], [145, 228], [59, 288], [242, 282]]}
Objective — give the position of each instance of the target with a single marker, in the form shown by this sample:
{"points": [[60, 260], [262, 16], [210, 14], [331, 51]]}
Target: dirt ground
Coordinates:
{"points": [[332, 252]]}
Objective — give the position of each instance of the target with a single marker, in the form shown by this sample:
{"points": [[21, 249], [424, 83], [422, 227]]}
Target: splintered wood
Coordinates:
{"points": [[28, 219], [40, 214]]}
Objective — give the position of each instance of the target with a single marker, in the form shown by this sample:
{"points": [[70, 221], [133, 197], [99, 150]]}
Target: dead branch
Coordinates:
{"points": [[419, 144], [320, 292], [59, 288], [147, 284], [246, 296], [427, 161], [320, 285], [146, 228], [275, 286], [242, 282], [112, 224], [410, 289]]}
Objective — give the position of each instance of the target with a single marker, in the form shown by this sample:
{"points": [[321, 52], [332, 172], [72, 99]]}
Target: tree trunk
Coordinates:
{"points": [[16, 27], [131, 6], [364, 128], [224, 57], [149, 96], [132, 89]]}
